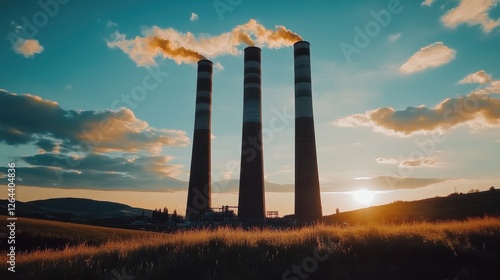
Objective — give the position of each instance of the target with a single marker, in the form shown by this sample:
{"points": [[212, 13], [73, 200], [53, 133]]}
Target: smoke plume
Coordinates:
{"points": [[188, 48], [163, 46]]}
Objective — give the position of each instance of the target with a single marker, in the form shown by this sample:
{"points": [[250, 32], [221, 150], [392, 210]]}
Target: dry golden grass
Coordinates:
{"points": [[69, 231], [268, 253]]}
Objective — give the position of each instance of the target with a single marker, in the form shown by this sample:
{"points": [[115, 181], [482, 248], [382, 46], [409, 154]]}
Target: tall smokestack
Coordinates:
{"points": [[199, 178], [251, 197], [307, 192]]}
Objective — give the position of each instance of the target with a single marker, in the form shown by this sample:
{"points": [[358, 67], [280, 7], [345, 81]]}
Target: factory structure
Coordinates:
{"points": [[199, 190], [251, 200]]}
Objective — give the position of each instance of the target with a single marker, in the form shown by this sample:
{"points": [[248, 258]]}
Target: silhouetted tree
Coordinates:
{"points": [[154, 216], [492, 188], [165, 214], [337, 211], [174, 216]]}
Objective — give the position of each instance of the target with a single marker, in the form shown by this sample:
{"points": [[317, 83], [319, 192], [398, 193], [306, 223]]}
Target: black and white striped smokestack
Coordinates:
{"points": [[251, 206], [199, 178], [307, 191]]}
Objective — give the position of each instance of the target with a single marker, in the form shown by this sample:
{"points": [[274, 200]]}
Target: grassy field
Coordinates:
{"points": [[34, 234], [447, 250]]}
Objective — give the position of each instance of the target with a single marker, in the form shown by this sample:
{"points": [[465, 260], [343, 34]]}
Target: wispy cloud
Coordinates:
{"points": [[472, 12], [420, 162], [387, 161], [218, 66], [431, 56], [427, 3], [111, 24], [104, 172], [480, 77], [490, 85], [387, 182], [194, 17], [394, 37]]}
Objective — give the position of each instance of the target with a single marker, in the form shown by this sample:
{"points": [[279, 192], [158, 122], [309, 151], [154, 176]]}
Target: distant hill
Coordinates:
{"points": [[86, 207], [75, 208], [454, 206]]}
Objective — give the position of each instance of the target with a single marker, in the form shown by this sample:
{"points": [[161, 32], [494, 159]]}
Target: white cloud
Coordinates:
{"points": [[431, 56], [194, 17], [218, 66], [480, 77], [394, 37], [472, 12], [419, 162], [427, 3], [478, 111], [28, 47], [494, 88], [110, 24], [387, 161], [491, 86]]}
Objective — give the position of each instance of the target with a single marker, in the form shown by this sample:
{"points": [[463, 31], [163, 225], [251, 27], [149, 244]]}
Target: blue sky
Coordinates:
{"points": [[405, 97]]}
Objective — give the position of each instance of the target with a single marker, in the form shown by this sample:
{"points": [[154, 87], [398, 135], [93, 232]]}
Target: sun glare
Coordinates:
{"points": [[363, 196]]}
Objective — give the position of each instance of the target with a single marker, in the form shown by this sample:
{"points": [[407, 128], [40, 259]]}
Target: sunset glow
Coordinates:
{"points": [[363, 196], [99, 101]]}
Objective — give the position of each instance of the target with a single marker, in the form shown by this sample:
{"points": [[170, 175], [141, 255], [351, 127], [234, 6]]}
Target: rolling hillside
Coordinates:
{"points": [[41, 234], [455, 206], [75, 208]]}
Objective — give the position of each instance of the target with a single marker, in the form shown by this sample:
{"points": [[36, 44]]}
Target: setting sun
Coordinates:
{"points": [[363, 196]]}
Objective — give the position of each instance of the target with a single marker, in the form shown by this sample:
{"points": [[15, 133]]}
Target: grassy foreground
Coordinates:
{"points": [[446, 250], [33, 234]]}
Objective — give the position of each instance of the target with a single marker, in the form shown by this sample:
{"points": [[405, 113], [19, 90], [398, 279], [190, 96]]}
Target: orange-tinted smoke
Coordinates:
{"points": [[179, 52], [285, 34], [272, 38], [187, 48], [244, 38]]}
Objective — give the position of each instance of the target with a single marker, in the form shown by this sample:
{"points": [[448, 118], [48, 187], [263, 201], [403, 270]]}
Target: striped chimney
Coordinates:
{"points": [[251, 206], [199, 178], [307, 191]]}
